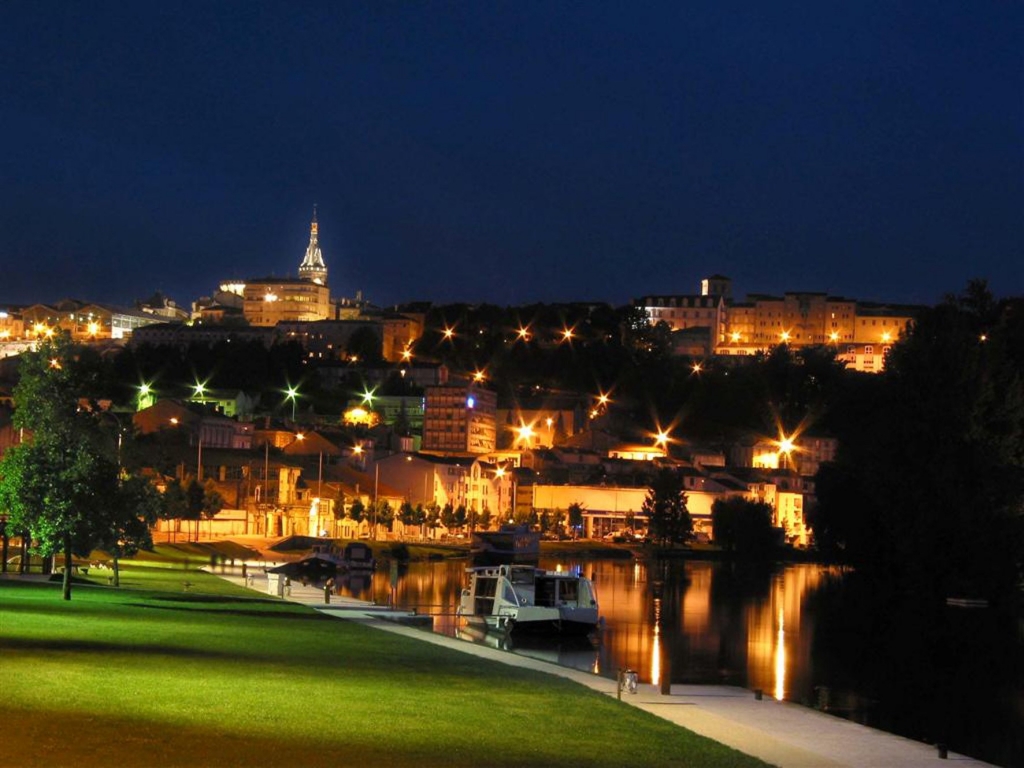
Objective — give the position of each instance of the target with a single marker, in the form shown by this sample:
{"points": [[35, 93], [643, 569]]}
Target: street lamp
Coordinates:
{"points": [[292, 393], [143, 400], [786, 448], [376, 485], [525, 432], [499, 475], [661, 439]]}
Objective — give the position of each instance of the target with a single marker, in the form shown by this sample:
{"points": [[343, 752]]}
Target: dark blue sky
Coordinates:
{"points": [[512, 151]]}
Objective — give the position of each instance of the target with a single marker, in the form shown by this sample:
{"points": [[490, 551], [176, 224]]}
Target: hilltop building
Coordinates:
{"points": [[861, 332], [269, 301], [312, 267]]}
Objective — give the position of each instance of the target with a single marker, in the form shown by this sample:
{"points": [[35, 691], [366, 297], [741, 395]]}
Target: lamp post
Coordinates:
{"points": [[292, 394], [786, 448], [499, 475], [376, 484]]}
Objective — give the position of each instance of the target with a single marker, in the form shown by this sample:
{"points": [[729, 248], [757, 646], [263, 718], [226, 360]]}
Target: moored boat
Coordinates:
{"points": [[506, 543], [528, 599], [359, 557]]}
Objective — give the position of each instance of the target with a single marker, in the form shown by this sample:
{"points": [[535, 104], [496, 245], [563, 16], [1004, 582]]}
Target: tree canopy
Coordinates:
{"points": [[928, 487], [669, 520], [55, 484]]}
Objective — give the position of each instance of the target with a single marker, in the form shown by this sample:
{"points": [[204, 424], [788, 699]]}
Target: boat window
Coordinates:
{"points": [[568, 591], [522, 576], [486, 587], [545, 594], [484, 601], [509, 594]]}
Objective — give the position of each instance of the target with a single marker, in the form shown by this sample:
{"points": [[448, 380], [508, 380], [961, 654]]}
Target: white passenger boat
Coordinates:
{"points": [[528, 599]]}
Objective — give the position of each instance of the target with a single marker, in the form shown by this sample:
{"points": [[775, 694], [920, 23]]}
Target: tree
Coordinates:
{"points": [[407, 513], [665, 507], [927, 489], [448, 516], [742, 526], [357, 510], [213, 502], [575, 515], [57, 484], [365, 345], [484, 520], [175, 502], [135, 507]]}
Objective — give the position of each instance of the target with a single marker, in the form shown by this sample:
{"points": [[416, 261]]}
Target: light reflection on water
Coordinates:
{"points": [[695, 621], [799, 632]]}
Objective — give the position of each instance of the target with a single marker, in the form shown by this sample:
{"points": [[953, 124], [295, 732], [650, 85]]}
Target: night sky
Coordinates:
{"points": [[512, 152]]}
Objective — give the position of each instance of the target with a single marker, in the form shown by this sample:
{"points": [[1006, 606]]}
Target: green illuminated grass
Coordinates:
{"points": [[212, 676]]}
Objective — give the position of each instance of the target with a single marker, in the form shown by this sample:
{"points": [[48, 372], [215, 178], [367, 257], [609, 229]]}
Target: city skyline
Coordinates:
{"points": [[512, 154]]}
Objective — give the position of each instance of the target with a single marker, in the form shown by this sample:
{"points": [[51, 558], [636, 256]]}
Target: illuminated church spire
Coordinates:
{"points": [[313, 267]]}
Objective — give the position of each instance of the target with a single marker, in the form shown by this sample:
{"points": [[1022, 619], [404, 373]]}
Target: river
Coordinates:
{"points": [[803, 633]]}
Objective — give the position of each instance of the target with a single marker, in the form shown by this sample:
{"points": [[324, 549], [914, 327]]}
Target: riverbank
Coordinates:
{"points": [[205, 672], [780, 733], [255, 548]]}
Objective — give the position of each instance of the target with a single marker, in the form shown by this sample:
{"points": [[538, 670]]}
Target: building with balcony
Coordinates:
{"points": [[459, 418]]}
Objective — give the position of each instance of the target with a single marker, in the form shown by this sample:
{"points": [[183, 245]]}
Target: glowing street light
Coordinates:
{"points": [[697, 368], [523, 333], [524, 433], [786, 448], [834, 336], [661, 438], [784, 337], [479, 376], [449, 333], [292, 393], [406, 355], [368, 395], [567, 334], [735, 337]]}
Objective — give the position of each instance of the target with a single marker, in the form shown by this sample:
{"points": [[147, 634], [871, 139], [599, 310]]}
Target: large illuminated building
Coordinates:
{"points": [[269, 301], [861, 332], [459, 418]]}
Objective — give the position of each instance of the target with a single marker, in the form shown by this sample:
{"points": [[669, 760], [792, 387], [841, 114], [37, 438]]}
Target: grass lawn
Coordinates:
{"points": [[153, 675]]}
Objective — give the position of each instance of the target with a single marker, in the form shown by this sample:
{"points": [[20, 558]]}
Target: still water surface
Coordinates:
{"points": [[804, 633]]}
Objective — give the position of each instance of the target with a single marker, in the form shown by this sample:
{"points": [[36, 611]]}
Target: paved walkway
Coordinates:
{"points": [[780, 733]]}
